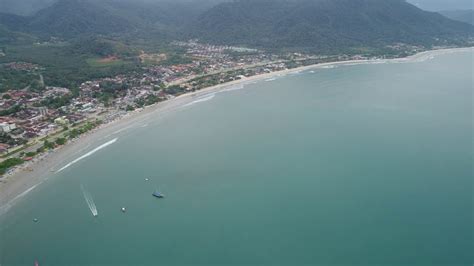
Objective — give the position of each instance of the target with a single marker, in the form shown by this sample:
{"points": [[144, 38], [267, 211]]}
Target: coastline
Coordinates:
{"points": [[27, 177]]}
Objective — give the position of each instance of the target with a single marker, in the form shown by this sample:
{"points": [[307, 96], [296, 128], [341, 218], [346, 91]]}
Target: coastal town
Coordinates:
{"points": [[39, 118]]}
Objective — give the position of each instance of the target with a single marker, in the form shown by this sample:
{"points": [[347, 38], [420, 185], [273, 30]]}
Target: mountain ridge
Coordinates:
{"points": [[466, 16], [305, 23], [71, 18], [317, 25]]}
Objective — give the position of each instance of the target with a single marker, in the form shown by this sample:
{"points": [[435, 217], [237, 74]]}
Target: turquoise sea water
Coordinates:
{"points": [[366, 164]]}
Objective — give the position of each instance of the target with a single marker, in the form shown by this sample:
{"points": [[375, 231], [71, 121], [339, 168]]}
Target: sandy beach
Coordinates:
{"points": [[30, 175]]}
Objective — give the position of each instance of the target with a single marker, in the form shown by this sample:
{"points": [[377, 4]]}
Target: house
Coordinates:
{"points": [[61, 121], [4, 147], [5, 127]]}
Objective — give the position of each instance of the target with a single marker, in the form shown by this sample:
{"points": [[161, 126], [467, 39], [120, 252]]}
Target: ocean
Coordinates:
{"points": [[367, 164]]}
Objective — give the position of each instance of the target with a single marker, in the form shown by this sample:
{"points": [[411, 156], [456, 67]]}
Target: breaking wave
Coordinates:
{"points": [[121, 130], [329, 67], [4, 209], [202, 99], [88, 154], [234, 88]]}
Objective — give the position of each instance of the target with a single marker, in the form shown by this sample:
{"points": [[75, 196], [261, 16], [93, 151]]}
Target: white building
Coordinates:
{"points": [[5, 127], [61, 121]]}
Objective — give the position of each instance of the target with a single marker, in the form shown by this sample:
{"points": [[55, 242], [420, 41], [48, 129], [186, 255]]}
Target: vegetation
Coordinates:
{"points": [[9, 163], [12, 110], [57, 102], [79, 40], [149, 100], [175, 89], [7, 139], [48, 145], [325, 25], [105, 28], [72, 18], [11, 79], [61, 141], [63, 66], [23, 7], [76, 132], [176, 59], [31, 154], [101, 62]]}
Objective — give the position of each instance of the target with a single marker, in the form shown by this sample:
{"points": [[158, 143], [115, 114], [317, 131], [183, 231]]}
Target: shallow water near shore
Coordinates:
{"points": [[364, 164]]}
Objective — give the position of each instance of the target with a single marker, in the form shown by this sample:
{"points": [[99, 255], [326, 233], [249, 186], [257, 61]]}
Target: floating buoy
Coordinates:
{"points": [[35, 220], [124, 210]]}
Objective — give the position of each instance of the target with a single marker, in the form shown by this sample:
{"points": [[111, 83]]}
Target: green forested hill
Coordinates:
{"points": [[72, 18], [69, 37], [325, 24], [23, 7]]}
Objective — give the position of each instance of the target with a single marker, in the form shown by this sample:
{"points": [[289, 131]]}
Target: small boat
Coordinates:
{"points": [[158, 194], [35, 220], [123, 209], [36, 263], [146, 179]]}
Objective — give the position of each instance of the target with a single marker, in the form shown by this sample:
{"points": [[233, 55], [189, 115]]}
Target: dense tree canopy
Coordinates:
{"points": [[325, 24]]}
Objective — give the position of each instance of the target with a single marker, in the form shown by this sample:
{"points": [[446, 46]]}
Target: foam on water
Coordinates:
{"points": [[340, 113], [295, 72], [328, 67], [88, 154], [234, 88], [117, 132], [4, 209], [121, 130], [201, 99]]}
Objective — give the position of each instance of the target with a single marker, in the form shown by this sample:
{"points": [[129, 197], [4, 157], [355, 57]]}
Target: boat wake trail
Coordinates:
{"points": [[90, 201], [88, 154]]}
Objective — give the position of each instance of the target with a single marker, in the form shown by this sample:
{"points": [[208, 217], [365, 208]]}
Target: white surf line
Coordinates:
{"points": [[88, 154], [202, 99], [121, 130], [6, 207], [233, 88]]}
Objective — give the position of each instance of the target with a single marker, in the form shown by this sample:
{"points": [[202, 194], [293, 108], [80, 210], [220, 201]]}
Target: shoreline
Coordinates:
{"points": [[25, 178]]}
